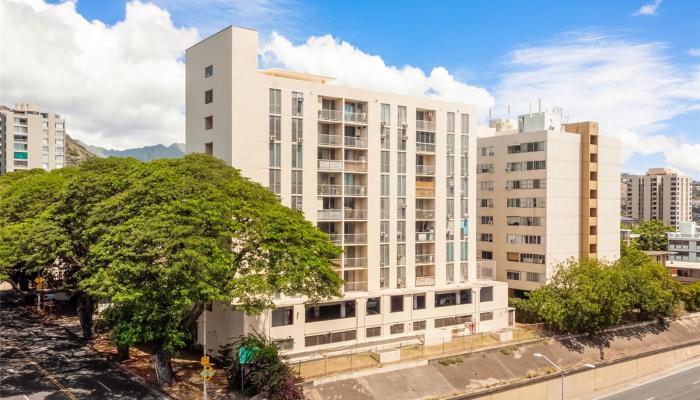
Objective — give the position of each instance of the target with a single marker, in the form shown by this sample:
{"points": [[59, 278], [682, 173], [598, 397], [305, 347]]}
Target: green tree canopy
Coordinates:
{"points": [[652, 235]]}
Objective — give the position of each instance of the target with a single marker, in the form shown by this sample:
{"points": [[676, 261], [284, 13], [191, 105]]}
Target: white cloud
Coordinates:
{"points": [[648, 9], [326, 55], [694, 52], [118, 86], [633, 89]]}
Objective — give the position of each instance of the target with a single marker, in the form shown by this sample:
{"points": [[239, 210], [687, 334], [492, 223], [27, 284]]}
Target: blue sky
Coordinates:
{"points": [[646, 63]]}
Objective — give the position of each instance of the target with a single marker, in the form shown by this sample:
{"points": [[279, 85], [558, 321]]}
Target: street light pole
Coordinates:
{"points": [[561, 371], [204, 350]]}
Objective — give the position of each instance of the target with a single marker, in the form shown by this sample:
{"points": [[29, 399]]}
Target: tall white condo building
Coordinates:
{"points": [[390, 178]]}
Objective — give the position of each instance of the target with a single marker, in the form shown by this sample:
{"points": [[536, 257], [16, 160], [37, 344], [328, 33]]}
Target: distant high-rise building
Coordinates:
{"points": [[546, 192], [30, 138], [390, 178], [662, 194]]}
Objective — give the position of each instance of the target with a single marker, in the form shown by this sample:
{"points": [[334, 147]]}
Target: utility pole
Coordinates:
{"points": [[204, 350]]}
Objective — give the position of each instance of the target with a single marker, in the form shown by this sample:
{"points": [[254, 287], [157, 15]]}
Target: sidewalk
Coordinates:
{"points": [[497, 367]]}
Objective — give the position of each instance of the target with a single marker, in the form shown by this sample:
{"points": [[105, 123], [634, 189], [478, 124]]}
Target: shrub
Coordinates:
{"points": [[691, 297], [266, 374]]}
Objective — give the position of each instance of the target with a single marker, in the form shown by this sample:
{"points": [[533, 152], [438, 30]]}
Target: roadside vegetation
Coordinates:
{"points": [[157, 242], [591, 295]]}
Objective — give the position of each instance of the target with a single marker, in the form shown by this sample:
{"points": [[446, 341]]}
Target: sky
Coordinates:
{"points": [[115, 69]]}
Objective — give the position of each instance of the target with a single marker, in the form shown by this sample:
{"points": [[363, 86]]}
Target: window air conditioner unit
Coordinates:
{"points": [[383, 136], [300, 140], [491, 153], [300, 99], [404, 138], [507, 169], [381, 264], [404, 126], [403, 205], [383, 123], [273, 138], [452, 185]]}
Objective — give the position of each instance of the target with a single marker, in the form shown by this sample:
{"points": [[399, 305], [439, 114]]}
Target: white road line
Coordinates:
{"points": [[25, 397], [65, 358], [696, 382], [103, 385], [651, 398], [629, 387]]}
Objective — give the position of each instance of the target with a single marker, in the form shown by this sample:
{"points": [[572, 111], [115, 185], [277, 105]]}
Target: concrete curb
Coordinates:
{"points": [[555, 376]]}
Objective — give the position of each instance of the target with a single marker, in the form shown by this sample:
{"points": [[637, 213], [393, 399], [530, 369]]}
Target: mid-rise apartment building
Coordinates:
{"points": [[684, 244], [662, 194], [546, 192], [30, 138], [389, 177]]}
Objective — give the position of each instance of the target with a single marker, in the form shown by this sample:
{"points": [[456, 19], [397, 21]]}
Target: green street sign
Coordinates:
{"points": [[246, 354]]}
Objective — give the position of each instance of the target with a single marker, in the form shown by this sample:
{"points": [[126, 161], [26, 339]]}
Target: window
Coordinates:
{"points": [[385, 185], [487, 237], [275, 128], [297, 104], [333, 337], [443, 322], [297, 180], [275, 154], [396, 328], [486, 316], [275, 101], [532, 258], [386, 138], [385, 114], [487, 255], [283, 316], [401, 159], [445, 299], [486, 203], [510, 256], [384, 208], [484, 168], [209, 148], [385, 162], [486, 294], [465, 296], [209, 122], [402, 116], [401, 186], [450, 122], [374, 331], [297, 130], [275, 181], [487, 219], [327, 312], [297, 203], [419, 325], [487, 185], [486, 151], [465, 124], [397, 303], [533, 277], [374, 306], [533, 165], [419, 301], [450, 250], [208, 96], [513, 275], [208, 71]]}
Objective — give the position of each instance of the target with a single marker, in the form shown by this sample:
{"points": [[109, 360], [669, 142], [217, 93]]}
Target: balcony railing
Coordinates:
{"points": [[359, 143], [355, 190], [359, 118], [330, 215], [360, 262], [356, 286], [330, 140], [336, 238], [356, 166], [425, 258], [330, 190], [425, 170], [330, 115], [355, 213], [330, 165], [425, 280], [425, 147], [355, 238], [420, 192], [425, 214], [422, 125], [425, 236]]}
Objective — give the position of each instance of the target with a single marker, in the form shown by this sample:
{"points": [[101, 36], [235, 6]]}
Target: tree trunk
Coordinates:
{"points": [[86, 309], [163, 366], [122, 352]]}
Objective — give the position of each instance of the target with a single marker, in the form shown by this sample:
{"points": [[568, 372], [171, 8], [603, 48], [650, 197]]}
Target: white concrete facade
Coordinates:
{"points": [[538, 203], [389, 177], [30, 138], [684, 245]]}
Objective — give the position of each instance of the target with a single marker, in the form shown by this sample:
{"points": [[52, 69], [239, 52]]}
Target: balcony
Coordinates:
{"points": [[355, 238], [425, 192], [330, 165], [425, 281], [355, 263], [330, 190], [424, 259], [426, 170], [356, 286], [355, 142], [356, 166], [330, 115], [330, 140], [355, 117], [355, 214], [422, 125], [486, 270], [356, 190], [425, 147], [425, 236], [336, 238], [330, 215], [425, 214]]}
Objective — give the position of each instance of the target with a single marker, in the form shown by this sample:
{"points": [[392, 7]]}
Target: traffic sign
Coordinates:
{"points": [[205, 360], [39, 281], [207, 372], [246, 354]]}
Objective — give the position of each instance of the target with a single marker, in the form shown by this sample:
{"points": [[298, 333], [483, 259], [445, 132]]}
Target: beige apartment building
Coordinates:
{"points": [[30, 138], [390, 178], [661, 193], [546, 192]]}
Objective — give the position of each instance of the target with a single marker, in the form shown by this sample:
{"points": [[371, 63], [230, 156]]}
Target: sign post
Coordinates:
{"points": [[39, 285]]}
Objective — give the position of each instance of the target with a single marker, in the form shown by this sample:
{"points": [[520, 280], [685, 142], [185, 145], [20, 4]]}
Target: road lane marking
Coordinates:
{"points": [[25, 397], [103, 385], [65, 358], [696, 382], [651, 398], [48, 375]]}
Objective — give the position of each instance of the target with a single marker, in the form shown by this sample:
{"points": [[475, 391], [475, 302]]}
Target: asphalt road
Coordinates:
{"points": [[683, 385], [46, 362]]}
